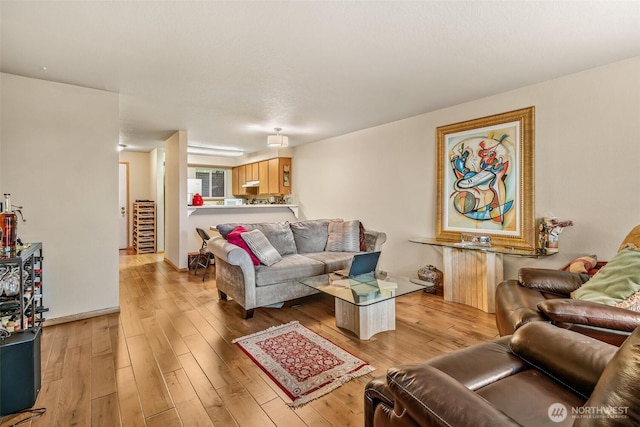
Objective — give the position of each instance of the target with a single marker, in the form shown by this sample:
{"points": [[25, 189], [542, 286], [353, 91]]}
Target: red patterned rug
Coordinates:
{"points": [[303, 364]]}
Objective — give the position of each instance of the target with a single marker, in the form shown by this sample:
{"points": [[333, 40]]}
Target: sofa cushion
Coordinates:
{"points": [[617, 283], [565, 360], [333, 260], [344, 236], [618, 388], [291, 268], [261, 247], [236, 238], [310, 236]]}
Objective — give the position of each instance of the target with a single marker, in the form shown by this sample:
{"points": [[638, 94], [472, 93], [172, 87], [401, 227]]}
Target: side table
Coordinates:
{"points": [[472, 272]]}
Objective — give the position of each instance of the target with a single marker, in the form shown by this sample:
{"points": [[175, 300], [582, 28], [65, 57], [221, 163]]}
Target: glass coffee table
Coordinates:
{"points": [[365, 305]]}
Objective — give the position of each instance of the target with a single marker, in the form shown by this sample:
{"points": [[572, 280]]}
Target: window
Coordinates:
{"points": [[212, 182]]}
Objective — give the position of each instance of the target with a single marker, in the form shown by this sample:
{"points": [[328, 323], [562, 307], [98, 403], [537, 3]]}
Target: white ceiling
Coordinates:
{"points": [[229, 72]]}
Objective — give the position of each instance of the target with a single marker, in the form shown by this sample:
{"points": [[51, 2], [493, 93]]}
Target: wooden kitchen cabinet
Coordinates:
{"points": [[280, 175], [238, 179], [255, 174], [274, 176], [263, 177], [234, 181]]}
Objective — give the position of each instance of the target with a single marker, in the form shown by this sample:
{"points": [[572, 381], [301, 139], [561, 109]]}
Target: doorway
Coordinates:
{"points": [[123, 205]]}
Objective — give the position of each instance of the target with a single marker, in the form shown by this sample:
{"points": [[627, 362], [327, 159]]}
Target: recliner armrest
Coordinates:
{"points": [[571, 358], [516, 306], [418, 390], [556, 282], [590, 313]]}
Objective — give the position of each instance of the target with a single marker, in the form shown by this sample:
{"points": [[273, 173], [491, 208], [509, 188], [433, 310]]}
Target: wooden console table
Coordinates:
{"points": [[472, 272]]}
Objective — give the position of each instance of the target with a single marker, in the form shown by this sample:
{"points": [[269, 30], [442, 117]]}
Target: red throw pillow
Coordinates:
{"points": [[235, 238]]}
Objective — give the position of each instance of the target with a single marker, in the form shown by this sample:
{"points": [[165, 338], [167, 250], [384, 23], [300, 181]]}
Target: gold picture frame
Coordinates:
{"points": [[485, 179]]}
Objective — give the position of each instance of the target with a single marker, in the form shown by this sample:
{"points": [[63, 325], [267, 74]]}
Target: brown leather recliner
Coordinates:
{"points": [[540, 376], [544, 295]]}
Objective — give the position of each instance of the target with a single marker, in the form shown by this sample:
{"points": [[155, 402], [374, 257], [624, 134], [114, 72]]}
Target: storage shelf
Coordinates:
{"points": [[23, 310], [144, 227]]}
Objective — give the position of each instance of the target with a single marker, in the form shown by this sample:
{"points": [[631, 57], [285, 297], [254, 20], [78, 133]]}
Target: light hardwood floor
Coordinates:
{"points": [[167, 359]]}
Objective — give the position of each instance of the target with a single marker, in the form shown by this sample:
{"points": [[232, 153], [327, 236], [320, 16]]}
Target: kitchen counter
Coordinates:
{"points": [[209, 216], [207, 208]]}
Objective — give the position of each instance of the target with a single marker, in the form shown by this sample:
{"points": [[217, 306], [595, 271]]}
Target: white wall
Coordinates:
{"points": [[176, 233], [60, 161], [156, 189], [139, 178], [587, 161]]}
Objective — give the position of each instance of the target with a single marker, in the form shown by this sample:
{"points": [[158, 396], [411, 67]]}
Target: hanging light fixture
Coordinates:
{"points": [[277, 140]]}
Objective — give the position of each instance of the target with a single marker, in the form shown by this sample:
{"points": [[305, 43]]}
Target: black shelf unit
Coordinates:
{"points": [[22, 313], [26, 308]]}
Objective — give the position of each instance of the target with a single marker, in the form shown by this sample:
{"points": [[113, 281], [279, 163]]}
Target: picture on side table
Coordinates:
{"points": [[485, 179]]}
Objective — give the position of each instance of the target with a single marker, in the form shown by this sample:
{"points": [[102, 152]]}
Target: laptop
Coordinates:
{"points": [[361, 264]]}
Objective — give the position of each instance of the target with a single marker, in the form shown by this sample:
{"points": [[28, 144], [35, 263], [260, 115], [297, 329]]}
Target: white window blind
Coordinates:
{"points": [[212, 182]]}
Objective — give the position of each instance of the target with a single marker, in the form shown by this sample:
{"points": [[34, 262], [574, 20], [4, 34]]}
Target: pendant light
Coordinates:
{"points": [[278, 140]]}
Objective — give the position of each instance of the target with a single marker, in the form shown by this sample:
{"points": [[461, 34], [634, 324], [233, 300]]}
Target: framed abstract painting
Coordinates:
{"points": [[485, 179]]}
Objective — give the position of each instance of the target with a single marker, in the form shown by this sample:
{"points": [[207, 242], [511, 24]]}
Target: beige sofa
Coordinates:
{"points": [[307, 248]]}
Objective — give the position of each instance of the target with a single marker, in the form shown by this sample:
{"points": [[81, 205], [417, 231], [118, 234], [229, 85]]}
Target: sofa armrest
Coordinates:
{"points": [[418, 391], [569, 357], [376, 393], [374, 240], [516, 306], [235, 273], [556, 282], [590, 313], [229, 252]]}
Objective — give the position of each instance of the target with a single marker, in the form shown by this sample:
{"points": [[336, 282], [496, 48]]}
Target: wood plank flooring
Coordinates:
{"points": [[167, 359]]}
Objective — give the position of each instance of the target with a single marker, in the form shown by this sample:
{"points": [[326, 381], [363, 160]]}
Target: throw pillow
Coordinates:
{"points": [[279, 235], [235, 237], [344, 236], [632, 240], [310, 236], [260, 246], [582, 264], [617, 283], [225, 229]]}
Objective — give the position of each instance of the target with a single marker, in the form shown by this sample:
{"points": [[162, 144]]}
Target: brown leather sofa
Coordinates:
{"points": [[539, 373], [543, 295]]}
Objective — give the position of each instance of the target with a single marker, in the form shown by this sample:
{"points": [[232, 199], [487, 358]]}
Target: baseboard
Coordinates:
{"points": [[175, 267], [81, 316]]}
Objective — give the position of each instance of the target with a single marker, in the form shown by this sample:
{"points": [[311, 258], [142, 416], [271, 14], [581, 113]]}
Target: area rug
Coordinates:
{"points": [[302, 363]]}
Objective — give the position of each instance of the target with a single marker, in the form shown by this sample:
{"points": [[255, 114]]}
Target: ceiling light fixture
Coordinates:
{"points": [[191, 149], [277, 140]]}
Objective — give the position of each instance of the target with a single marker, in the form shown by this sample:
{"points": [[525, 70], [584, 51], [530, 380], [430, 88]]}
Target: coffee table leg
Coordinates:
{"points": [[366, 320]]}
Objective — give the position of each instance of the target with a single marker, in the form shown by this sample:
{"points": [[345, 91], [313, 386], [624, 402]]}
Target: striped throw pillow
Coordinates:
{"points": [[260, 246], [344, 236]]}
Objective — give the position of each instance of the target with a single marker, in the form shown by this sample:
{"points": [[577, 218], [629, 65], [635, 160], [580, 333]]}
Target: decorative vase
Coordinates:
{"points": [[431, 274]]}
